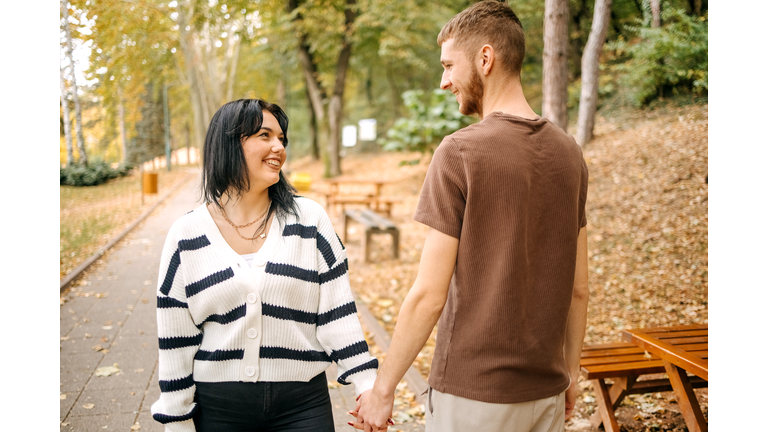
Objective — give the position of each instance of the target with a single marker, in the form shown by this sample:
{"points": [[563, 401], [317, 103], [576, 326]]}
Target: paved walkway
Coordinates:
{"points": [[118, 318]]}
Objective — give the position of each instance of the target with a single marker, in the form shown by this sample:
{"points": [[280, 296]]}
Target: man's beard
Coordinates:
{"points": [[473, 97]]}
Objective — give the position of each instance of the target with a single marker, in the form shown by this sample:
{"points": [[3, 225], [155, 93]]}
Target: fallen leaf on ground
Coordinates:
{"points": [[136, 426], [107, 370], [87, 335], [101, 295], [138, 370], [89, 406], [62, 396], [106, 327]]}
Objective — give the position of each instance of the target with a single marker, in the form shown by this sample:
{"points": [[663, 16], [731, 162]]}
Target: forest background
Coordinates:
{"points": [[331, 63], [736, 254]]}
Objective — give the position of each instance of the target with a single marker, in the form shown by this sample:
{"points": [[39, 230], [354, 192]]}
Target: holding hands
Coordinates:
{"points": [[373, 412]]}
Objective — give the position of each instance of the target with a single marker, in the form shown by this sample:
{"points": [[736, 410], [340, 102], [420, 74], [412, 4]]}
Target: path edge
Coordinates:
{"points": [[413, 378], [67, 280]]}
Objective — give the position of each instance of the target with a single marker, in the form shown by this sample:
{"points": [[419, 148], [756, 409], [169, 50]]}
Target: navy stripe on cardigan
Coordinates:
{"points": [[306, 275], [337, 313], [292, 354], [308, 232], [170, 302], [209, 281], [231, 316], [350, 351], [173, 266], [219, 355], [165, 418], [177, 384], [180, 342], [373, 364], [285, 313]]}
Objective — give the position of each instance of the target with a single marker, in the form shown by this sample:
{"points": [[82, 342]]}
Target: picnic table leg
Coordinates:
{"points": [[605, 407], [346, 219], [686, 398], [366, 243], [395, 243], [617, 392]]}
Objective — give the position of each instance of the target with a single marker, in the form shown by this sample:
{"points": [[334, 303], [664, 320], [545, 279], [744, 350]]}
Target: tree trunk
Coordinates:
{"points": [[590, 70], [232, 71], [656, 13], [280, 93], [395, 92], [313, 132], [121, 114], [336, 106], [555, 82], [697, 7], [199, 124], [78, 116], [186, 136], [65, 108]]}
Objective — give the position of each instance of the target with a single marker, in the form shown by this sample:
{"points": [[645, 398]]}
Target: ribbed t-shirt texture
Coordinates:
{"points": [[513, 191]]}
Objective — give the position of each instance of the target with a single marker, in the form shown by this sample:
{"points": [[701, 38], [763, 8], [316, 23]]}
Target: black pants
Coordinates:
{"points": [[264, 406]]}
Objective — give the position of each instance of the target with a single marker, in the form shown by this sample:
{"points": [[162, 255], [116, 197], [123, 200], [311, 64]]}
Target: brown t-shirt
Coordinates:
{"points": [[512, 190]]}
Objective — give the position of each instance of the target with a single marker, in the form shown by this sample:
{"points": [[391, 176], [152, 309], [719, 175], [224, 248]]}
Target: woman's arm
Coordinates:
{"points": [[179, 340], [338, 328]]}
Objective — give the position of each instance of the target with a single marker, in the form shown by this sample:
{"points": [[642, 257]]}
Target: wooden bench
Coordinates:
{"points": [[373, 224], [623, 364]]}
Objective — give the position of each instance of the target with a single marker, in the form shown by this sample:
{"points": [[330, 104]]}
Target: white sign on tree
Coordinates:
{"points": [[367, 129], [349, 136]]}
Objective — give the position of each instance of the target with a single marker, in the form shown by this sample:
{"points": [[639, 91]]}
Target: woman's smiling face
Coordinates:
{"points": [[265, 153]]}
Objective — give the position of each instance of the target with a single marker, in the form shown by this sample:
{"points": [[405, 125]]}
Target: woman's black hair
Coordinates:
{"points": [[225, 171]]}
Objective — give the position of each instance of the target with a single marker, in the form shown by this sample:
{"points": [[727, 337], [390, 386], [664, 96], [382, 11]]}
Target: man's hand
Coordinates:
{"points": [[570, 396], [374, 410]]}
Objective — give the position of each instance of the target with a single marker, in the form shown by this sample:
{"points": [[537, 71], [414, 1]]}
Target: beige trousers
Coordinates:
{"points": [[448, 413]]}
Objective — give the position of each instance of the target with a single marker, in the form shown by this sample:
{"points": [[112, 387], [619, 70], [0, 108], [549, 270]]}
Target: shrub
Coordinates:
{"points": [[426, 124], [666, 60], [97, 172]]}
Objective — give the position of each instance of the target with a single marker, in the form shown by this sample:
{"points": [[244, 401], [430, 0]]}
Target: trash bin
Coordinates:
{"points": [[150, 183]]}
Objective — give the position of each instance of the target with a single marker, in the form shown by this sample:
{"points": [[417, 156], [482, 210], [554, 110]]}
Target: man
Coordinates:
{"points": [[504, 264]]}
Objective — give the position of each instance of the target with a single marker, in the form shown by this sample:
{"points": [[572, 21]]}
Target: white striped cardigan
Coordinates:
{"points": [[283, 319]]}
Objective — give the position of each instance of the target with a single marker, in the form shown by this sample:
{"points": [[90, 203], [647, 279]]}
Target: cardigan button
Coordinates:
{"points": [[261, 263], [252, 333], [251, 298], [250, 371]]}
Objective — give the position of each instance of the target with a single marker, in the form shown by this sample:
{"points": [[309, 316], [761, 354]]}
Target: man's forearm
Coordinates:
{"points": [[574, 333], [576, 326], [418, 316]]}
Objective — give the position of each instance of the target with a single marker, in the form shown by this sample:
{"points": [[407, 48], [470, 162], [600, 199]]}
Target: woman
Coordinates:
{"points": [[253, 298]]}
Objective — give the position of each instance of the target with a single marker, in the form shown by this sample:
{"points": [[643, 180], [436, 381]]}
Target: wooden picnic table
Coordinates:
{"points": [[371, 197], [335, 183], [682, 349]]}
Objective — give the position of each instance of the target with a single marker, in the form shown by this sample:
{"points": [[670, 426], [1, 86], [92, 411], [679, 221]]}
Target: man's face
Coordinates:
{"points": [[460, 76]]}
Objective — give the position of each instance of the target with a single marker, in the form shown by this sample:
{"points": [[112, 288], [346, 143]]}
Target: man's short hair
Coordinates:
{"points": [[488, 22]]}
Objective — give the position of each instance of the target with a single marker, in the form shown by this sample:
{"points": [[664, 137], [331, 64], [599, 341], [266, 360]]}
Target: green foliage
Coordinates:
{"points": [[671, 59], [427, 123], [96, 173]]}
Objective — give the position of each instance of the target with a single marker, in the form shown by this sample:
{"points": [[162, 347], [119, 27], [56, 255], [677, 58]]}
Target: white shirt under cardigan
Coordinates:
{"points": [[285, 318]]}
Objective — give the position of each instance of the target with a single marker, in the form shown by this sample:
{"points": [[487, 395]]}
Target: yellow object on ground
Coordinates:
{"points": [[301, 181]]}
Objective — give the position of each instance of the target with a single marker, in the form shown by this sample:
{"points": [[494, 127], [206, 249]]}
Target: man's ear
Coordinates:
{"points": [[487, 59]]}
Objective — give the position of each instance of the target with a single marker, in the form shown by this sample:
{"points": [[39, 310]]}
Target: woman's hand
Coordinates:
{"points": [[360, 422]]}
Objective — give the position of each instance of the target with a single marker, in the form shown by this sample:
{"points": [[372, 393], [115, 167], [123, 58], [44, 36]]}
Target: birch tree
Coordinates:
{"points": [[78, 116], [65, 108], [590, 71], [555, 73]]}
